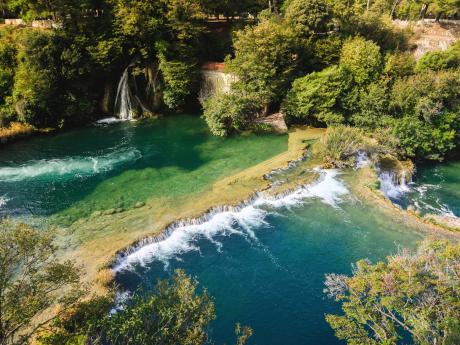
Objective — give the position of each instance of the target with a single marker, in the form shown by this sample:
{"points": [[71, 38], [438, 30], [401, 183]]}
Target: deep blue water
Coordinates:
{"points": [[273, 281]]}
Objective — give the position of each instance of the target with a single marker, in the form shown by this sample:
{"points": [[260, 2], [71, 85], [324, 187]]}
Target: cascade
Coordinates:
{"points": [[214, 81], [124, 105], [393, 185]]}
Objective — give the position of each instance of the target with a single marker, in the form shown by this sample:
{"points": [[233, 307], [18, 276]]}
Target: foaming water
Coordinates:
{"points": [[109, 121], [434, 190], [182, 237], [70, 166], [391, 187], [3, 200]]}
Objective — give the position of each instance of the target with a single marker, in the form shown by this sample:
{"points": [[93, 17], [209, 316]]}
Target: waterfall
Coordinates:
{"points": [[393, 185], [124, 106], [215, 82]]}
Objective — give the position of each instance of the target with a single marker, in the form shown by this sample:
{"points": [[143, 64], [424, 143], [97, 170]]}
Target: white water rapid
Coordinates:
{"points": [[69, 166], [391, 187], [181, 237]]}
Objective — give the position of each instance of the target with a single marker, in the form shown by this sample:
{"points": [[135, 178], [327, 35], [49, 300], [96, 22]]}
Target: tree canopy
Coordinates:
{"points": [[410, 297]]}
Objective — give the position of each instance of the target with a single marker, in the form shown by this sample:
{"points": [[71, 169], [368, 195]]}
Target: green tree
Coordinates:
{"points": [[310, 17], [31, 281], [316, 98], [426, 111], [175, 314], [362, 59], [225, 113], [265, 60], [412, 295]]}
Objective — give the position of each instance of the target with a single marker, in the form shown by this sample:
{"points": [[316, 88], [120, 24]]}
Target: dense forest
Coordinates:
{"points": [[322, 62]]}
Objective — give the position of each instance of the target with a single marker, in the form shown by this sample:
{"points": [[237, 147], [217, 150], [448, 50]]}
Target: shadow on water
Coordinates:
{"points": [[49, 174]]}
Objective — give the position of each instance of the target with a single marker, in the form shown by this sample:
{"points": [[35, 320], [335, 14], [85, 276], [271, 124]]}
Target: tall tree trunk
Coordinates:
{"points": [[393, 9], [423, 11], [368, 5], [438, 16]]}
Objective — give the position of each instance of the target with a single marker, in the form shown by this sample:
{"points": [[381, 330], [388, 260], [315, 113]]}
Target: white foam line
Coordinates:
{"points": [[71, 166], [183, 236]]}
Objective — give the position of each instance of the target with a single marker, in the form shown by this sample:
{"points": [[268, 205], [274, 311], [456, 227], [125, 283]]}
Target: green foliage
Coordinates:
{"points": [[79, 324], [179, 78], [399, 64], [362, 59], [440, 60], [410, 295], [31, 281], [316, 97], [373, 106], [265, 59], [426, 108], [227, 112], [309, 17], [340, 145], [175, 314]]}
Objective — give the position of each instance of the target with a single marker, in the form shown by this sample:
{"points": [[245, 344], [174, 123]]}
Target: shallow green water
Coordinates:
{"points": [[73, 174]]}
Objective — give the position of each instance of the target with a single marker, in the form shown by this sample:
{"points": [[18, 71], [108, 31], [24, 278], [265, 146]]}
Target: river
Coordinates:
{"points": [[264, 261]]}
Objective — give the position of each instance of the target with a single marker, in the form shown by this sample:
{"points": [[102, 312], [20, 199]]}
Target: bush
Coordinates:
{"points": [[440, 60], [339, 147], [399, 64], [362, 58], [373, 106], [225, 113], [316, 97]]}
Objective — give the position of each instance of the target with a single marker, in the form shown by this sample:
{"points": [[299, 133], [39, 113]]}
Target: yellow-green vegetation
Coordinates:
{"points": [[410, 295], [14, 131]]}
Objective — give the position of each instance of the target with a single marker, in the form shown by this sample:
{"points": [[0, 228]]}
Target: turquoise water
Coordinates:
{"points": [[73, 174], [435, 189], [265, 263]]}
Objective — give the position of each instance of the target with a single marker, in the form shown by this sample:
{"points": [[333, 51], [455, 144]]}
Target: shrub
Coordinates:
{"points": [[362, 58], [340, 145], [440, 60], [316, 97], [225, 113], [399, 64]]}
